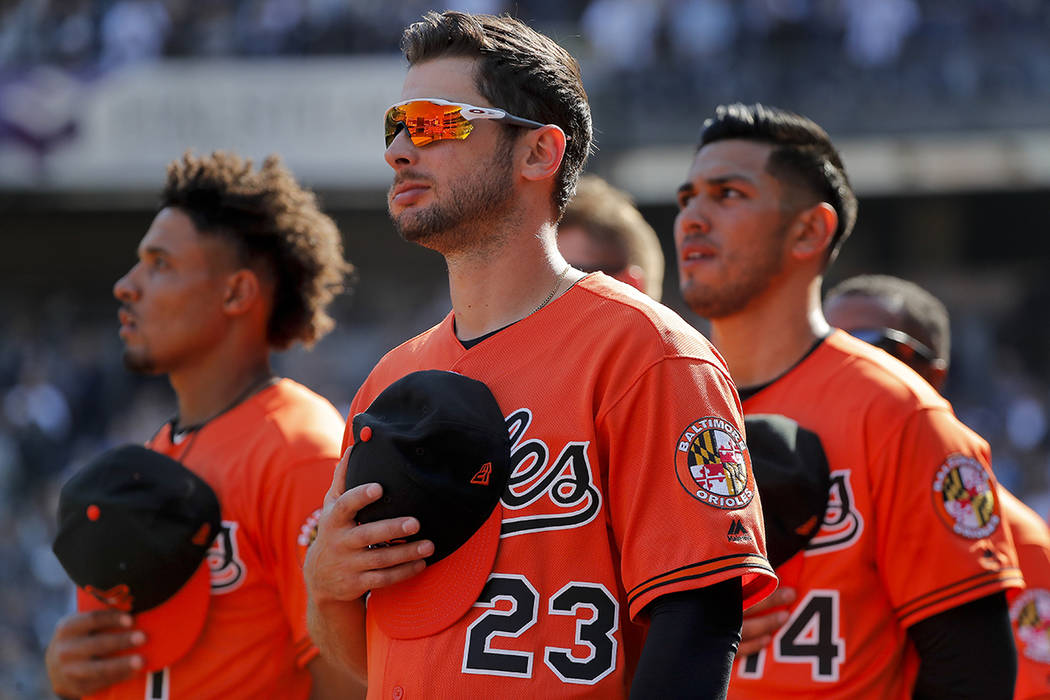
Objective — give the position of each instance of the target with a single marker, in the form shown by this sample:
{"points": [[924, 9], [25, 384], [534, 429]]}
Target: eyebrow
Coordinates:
{"points": [[718, 180], [154, 250]]}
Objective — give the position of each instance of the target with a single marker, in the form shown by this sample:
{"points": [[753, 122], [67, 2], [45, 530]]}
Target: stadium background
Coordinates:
{"points": [[941, 109]]}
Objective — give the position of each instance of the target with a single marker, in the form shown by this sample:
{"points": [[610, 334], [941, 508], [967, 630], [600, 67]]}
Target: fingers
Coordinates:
{"points": [[84, 623], [89, 652], [345, 507], [778, 598], [763, 620], [90, 676], [338, 479]]}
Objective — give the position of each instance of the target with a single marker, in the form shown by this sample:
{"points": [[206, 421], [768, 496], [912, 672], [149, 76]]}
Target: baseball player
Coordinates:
{"points": [[237, 263], [631, 536], [900, 593], [911, 324], [602, 231]]}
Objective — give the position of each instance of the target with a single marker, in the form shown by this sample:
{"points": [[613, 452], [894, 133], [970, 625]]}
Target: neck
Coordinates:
{"points": [[210, 387], [771, 335], [495, 288]]}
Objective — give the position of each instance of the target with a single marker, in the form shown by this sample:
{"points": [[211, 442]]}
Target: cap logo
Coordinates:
{"points": [[484, 475], [118, 597], [202, 536]]}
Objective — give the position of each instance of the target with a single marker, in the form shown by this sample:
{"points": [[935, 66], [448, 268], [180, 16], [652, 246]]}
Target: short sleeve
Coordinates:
{"points": [[292, 506], [941, 539], [683, 505]]}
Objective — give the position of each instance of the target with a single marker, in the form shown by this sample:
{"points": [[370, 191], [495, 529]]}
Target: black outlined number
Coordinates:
{"points": [[597, 621], [811, 635], [478, 656], [596, 633]]}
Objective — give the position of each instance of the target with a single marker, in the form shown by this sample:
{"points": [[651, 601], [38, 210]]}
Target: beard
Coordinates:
{"points": [[464, 218], [139, 363], [747, 280]]}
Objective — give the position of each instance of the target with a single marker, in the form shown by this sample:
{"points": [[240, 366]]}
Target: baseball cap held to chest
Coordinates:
{"points": [[134, 531], [438, 444]]}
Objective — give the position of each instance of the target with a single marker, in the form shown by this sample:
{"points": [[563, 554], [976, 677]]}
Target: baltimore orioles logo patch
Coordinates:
{"points": [[711, 465], [1030, 615], [964, 497]]}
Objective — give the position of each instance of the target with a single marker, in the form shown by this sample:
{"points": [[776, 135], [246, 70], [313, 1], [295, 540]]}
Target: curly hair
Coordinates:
{"points": [[274, 222], [519, 70]]}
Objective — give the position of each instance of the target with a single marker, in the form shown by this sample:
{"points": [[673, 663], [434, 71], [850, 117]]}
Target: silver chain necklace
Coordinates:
{"points": [[557, 284]]}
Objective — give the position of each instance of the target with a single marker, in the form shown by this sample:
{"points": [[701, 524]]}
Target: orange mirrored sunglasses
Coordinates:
{"points": [[430, 119]]}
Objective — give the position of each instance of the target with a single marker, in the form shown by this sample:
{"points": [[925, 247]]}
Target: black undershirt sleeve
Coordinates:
{"points": [[966, 652], [692, 641]]}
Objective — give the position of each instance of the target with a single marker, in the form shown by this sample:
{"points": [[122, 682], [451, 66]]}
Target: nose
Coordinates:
{"points": [[125, 289], [401, 152], [691, 219]]}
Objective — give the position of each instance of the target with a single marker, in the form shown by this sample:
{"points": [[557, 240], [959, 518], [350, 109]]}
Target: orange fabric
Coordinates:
{"points": [[1030, 609], [913, 527], [270, 461], [599, 389]]}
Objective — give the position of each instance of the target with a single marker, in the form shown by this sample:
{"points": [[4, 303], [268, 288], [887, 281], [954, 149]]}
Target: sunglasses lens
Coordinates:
{"points": [[426, 122]]}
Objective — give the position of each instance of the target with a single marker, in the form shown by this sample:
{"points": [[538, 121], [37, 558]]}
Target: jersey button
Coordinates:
{"points": [[399, 693]]}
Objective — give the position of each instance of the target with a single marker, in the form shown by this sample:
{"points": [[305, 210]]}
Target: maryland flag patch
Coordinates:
{"points": [[965, 498], [711, 464], [1030, 615]]}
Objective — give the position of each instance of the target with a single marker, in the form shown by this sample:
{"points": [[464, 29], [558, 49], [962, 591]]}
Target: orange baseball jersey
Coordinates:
{"points": [[1030, 608], [270, 461], [630, 479], [913, 527]]}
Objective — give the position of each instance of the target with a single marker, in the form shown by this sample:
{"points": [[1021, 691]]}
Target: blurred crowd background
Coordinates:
{"points": [[938, 73]]}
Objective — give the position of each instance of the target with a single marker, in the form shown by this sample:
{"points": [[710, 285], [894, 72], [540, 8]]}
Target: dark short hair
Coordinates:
{"points": [[802, 154], [609, 217], [520, 70], [272, 222], [923, 315]]}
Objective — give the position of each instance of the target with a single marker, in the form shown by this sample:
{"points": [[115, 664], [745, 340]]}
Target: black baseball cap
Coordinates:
{"points": [[134, 527], [793, 478], [438, 444]]}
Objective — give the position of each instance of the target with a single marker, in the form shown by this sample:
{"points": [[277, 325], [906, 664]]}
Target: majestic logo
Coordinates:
{"points": [[1030, 615], [557, 493], [227, 568], [964, 497], [118, 597], [843, 523], [710, 464], [737, 532]]}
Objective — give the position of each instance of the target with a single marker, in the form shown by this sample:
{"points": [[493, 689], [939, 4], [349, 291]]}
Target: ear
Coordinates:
{"points": [[243, 292], [546, 149], [813, 230]]}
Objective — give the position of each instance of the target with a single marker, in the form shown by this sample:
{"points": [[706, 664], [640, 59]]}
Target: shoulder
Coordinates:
{"points": [[627, 321], [1025, 524], [860, 373], [297, 423]]}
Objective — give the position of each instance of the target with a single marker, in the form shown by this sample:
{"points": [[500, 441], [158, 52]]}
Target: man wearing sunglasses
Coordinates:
{"points": [[880, 307], [614, 572], [900, 593]]}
